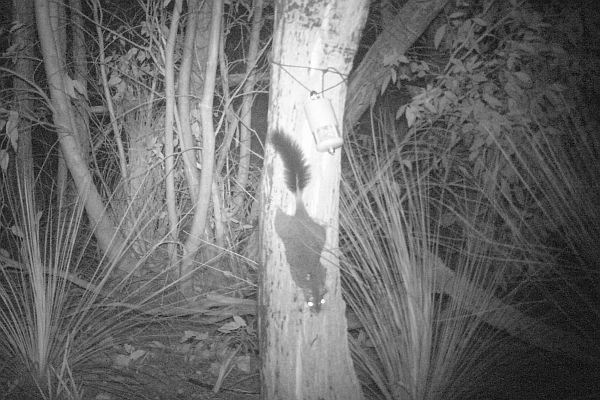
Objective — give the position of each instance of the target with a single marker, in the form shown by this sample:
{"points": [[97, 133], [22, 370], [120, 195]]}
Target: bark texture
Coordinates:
{"points": [[305, 354]]}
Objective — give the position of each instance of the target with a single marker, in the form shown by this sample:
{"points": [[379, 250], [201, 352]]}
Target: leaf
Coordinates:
{"points": [[386, 82], [458, 66], [239, 320], [429, 106], [237, 323], [142, 56], [243, 364], [131, 53], [122, 360], [439, 35], [451, 96], [12, 128], [137, 354], [402, 59], [4, 158], [114, 79], [443, 104], [393, 58], [389, 59], [480, 21], [411, 116], [80, 88], [401, 111], [15, 230], [69, 87], [457, 14]]}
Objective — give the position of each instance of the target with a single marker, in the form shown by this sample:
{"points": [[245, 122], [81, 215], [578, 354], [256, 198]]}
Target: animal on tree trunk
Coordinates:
{"points": [[302, 237]]}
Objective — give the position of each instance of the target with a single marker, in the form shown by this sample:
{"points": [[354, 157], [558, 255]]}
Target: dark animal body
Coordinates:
{"points": [[302, 237]]}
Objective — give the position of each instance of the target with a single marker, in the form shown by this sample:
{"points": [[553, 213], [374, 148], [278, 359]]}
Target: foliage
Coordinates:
{"points": [[558, 171], [61, 309], [518, 97], [59, 315], [508, 80], [496, 177], [427, 346], [135, 63]]}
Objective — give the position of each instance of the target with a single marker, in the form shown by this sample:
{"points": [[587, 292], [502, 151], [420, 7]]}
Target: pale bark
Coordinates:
{"points": [[201, 45], [186, 139], [247, 100], [109, 240], [399, 34], [56, 16], [306, 355], [80, 75], [169, 120], [194, 240]]}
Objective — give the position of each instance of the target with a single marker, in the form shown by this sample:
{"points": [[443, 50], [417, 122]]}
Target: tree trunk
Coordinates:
{"points": [[169, 120], [80, 75], [56, 12], [108, 238], [365, 82], [186, 139], [304, 353], [194, 240], [246, 108]]}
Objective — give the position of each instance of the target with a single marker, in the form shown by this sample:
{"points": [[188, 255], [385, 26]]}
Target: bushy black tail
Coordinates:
{"points": [[297, 173]]}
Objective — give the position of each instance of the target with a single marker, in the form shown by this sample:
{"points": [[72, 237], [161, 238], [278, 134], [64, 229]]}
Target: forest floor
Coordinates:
{"points": [[184, 360]]}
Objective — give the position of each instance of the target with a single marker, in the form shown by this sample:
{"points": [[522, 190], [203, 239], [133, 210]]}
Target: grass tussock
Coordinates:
{"points": [[61, 316], [558, 166], [435, 255], [401, 259]]}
